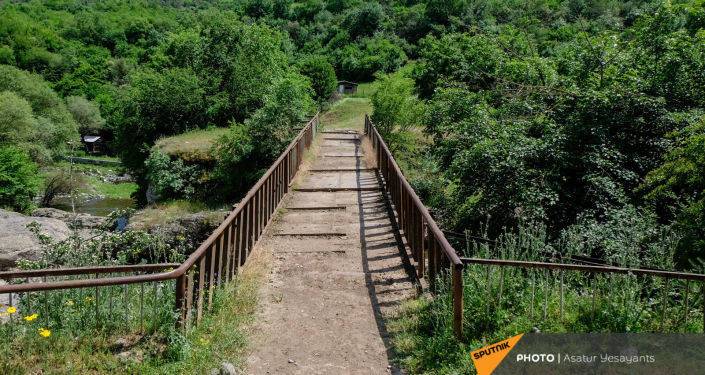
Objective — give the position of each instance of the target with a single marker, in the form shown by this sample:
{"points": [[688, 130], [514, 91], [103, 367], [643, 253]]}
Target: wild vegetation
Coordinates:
{"points": [[567, 119], [547, 128]]}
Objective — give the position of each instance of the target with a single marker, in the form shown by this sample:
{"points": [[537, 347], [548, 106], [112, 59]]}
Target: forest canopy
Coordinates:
{"points": [[563, 114]]}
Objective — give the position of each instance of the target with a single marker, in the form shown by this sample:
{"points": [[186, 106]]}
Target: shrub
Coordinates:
{"points": [[17, 122], [361, 60], [321, 74], [395, 105], [19, 181], [60, 183], [157, 104], [676, 188], [364, 20], [54, 126], [249, 148], [170, 178], [86, 114]]}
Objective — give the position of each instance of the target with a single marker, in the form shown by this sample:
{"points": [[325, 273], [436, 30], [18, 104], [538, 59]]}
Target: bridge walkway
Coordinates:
{"points": [[338, 270]]}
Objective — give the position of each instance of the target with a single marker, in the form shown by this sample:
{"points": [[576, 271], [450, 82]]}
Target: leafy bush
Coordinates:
{"points": [[252, 146], [396, 108], [169, 178], [361, 60], [86, 114], [19, 181], [17, 122], [365, 20], [59, 183], [676, 188], [48, 127], [321, 74], [157, 104]]}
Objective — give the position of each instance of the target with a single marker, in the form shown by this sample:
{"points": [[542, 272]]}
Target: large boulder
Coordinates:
{"points": [[193, 228], [18, 242], [79, 221]]}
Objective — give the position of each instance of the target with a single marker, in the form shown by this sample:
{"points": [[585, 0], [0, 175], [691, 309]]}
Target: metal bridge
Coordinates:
{"points": [[349, 164]]}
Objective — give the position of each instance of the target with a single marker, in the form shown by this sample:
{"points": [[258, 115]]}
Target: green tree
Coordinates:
{"points": [[361, 60], [54, 126], [364, 20], [19, 182], [86, 114], [321, 74], [396, 107], [17, 122], [676, 188], [250, 148], [156, 104]]}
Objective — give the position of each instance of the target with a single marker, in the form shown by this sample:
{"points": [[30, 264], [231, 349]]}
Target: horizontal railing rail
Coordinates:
{"points": [[72, 271], [212, 264], [434, 256], [669, 294], [586, 268], [425, 239]]}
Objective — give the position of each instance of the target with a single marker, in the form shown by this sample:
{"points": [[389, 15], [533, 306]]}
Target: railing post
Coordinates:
{"points": [[457, 274], [179, 302], [432, 260], [423, 246]]}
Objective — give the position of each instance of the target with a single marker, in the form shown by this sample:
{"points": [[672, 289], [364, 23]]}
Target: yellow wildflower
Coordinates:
{"points": [[69, 302], [89, 299], [31, 317], [44, 332], [11, 310]]}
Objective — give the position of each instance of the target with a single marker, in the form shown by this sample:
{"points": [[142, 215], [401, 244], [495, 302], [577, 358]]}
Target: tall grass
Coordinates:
{"points": [[500, 302]]}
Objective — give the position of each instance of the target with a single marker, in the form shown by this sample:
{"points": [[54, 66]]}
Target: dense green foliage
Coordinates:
{"points": [[86, 114], [396, 109], [156, 69], [321, 74], [250, 147], [18, 179], [33, 115], [561, 122], [556, 129]]}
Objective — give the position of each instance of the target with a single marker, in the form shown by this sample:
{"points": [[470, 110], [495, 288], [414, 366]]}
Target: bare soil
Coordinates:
{"points": [[339, 270]]}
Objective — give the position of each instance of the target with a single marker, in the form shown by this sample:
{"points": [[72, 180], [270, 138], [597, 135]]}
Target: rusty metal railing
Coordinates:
{"points": [[673, 289], [425, 239], [215, 262], [434, 256]]}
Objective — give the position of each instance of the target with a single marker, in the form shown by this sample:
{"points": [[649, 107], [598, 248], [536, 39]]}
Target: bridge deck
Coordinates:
{"points": [[338, 271]]}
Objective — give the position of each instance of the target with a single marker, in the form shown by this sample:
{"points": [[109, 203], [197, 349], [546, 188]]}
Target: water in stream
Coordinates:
{"points": [[95, 206]]}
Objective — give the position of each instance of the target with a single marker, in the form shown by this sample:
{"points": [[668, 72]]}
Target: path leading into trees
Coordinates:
{"points": [[338, 269]]}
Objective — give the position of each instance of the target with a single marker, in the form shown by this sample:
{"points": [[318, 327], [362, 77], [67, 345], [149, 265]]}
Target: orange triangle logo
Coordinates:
{"points": [[488, 358]]}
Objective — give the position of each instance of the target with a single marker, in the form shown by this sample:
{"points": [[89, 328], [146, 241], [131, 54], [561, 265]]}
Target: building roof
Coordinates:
{"points": [[347, 82], [91, 138]]}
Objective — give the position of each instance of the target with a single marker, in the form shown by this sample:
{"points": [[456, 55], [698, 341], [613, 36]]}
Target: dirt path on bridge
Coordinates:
{"points": [[338, 269]]}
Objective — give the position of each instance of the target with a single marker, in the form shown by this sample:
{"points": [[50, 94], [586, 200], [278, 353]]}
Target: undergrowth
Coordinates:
{"points": [[503, 302]]}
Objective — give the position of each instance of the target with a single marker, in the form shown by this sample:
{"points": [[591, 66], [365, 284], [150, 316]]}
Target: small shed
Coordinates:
{"points": [[347, 87], [93, 144]]}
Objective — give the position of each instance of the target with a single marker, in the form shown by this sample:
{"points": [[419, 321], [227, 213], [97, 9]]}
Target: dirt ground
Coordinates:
{"points": [[338, 271]]}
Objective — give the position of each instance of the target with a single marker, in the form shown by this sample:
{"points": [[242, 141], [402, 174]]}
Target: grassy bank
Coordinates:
{"points": [[345, 114], [502, 302], [90, 179], [157, 348], [193, 146]]}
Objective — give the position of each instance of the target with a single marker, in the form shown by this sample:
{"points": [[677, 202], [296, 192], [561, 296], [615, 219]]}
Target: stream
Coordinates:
{"points": [[98, 206]]}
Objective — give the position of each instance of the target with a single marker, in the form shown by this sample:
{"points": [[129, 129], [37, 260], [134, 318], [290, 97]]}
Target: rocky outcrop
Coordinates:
{"points": [[18, 242], [78, 221], [195, 227]]}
